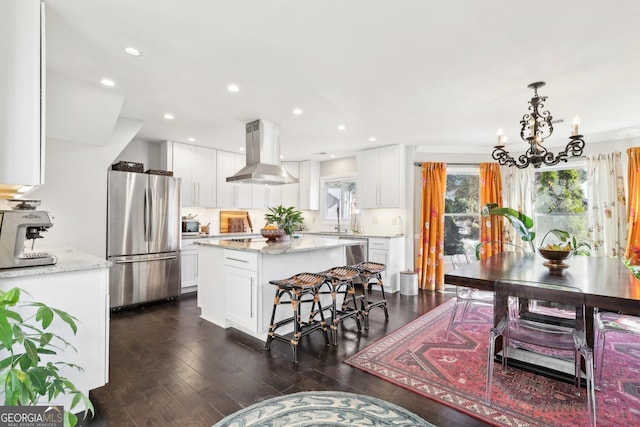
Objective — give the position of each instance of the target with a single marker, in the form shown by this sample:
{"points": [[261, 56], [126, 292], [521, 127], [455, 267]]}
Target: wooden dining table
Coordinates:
{"points": [[605, 283]]}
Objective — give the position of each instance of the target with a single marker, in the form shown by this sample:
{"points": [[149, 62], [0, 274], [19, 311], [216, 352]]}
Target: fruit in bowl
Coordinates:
{"points": [[555, 254], [271, 232]]}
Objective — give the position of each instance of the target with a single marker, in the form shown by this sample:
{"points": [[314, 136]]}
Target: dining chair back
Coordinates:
{"points": [[521, 330], [466, 297], [605, 322]]}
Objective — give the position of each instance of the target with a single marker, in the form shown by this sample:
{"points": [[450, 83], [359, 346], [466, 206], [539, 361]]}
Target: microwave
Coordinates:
{"points": [[190, 227]]}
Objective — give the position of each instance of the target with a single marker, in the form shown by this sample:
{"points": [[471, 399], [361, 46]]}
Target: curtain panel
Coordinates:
{"points": [[518, 195], [491, 227], [607, 205], [632, 251], [430, 256]]}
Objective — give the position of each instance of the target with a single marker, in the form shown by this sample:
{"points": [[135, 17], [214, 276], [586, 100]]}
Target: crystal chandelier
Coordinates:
{"points": [[536, 126]]}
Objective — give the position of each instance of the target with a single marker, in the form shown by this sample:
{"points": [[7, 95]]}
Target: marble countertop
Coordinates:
{"points": [[260, 245], [220, 236], [69, 259], [352, 234]]}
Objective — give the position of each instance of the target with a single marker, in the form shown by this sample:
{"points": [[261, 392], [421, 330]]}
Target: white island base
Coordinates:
{"points": [[234, 289]]}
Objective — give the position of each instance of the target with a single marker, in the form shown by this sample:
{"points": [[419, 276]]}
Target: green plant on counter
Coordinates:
{"points": [[288, 219], [524, 227], [27, 380]]}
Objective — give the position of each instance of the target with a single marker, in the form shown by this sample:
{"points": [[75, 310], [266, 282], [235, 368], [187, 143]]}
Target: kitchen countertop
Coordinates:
{"points": [[69, 259], [352, 234], [260, 245], [220, 236]]}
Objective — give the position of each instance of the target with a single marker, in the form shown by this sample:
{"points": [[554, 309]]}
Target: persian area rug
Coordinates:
{"points": [[323, 408], [452, 371]]}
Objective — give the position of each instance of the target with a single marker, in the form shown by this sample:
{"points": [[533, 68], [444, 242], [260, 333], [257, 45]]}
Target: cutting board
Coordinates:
{"points": [[234, 221]]}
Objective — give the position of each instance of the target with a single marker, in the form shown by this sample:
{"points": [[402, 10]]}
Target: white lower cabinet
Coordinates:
{"points": [[241, 280], [188, 266], [390, 252]]}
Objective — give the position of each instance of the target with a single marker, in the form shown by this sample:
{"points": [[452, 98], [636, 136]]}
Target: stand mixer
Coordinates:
{"points": [[18, 225]]}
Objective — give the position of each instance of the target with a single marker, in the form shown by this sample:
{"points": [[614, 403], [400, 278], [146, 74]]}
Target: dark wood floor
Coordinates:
{"points": [[168, 367]]}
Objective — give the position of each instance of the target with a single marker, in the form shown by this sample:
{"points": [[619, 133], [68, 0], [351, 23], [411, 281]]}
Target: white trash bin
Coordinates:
{"points": [[408, 283]]}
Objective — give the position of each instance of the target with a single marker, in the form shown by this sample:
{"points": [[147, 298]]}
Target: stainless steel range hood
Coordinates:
{"points": [[263, 156]]}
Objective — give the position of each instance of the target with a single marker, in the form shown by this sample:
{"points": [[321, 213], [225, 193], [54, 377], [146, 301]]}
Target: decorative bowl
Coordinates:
{"points": [[555, 257], [272, 234]]}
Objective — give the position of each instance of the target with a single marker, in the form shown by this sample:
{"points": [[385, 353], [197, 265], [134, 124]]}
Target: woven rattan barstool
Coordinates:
{"points": [[340, 279], [301, 289], [371, 275]]}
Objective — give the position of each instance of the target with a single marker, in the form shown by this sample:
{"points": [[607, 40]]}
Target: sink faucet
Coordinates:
{"points": [[337, 227]]}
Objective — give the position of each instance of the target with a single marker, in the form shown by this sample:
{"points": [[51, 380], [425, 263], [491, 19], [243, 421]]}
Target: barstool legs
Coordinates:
{"points": [[296, 292]]}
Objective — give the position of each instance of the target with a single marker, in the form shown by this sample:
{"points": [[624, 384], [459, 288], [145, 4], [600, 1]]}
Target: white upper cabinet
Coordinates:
{"points": [[309, 185], [21, 94], [231, 194], [291, 192], [196, 166], [381, 177]]}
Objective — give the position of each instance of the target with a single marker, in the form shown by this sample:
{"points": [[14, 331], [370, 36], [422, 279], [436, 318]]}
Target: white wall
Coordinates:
{"points": [[75, 190]]}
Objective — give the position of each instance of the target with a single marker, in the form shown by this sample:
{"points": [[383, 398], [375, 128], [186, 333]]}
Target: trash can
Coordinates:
{"points": [[408, 283]]}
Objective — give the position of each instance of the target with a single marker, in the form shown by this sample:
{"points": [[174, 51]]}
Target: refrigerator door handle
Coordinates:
{"points": [[129, 261], [150, 215], [145, 215]]}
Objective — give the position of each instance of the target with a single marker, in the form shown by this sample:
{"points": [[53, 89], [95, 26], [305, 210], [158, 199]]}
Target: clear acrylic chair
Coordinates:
{"points": [[605, 322], [517, 331], [466, 297]]}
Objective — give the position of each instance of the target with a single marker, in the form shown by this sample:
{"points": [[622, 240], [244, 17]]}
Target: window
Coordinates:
{"points": [[462, 211], [339, 196], [561, 201]]}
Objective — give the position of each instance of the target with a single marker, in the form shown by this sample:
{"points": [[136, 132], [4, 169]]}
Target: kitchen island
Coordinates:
{"points": [[234, 289], [79, 284]]}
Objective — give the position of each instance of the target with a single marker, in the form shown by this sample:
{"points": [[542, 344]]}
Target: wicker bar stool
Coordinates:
{"points": [[371, 275], [340, 280], [297, 287]]}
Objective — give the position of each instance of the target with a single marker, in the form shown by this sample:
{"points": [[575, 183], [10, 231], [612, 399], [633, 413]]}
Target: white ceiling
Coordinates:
{"points": [[443, 75]]}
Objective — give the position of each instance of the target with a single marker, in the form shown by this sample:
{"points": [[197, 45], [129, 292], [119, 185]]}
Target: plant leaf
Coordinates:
{"points": [[38, 378], [32, 351], [45, 316], [70, 320], [10, 297]]}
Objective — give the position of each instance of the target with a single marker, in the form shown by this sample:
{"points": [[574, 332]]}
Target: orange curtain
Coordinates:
{"points": [[491, 227], [430, 257], [632, 251]]}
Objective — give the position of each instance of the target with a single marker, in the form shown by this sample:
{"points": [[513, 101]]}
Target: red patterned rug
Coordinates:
{"points": [[452, 371]]}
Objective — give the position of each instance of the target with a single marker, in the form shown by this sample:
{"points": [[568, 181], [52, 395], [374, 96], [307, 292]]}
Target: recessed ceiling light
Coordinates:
{"points": [[191, 139], [233, 88], [241, 148], [333, 156], [341, 127], [297, 111], [372, 139], [169, 116], [107, 82], [130, 50]]}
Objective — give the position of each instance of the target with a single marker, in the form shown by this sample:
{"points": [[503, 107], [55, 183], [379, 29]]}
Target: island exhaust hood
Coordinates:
{"points": [[263, 156]]}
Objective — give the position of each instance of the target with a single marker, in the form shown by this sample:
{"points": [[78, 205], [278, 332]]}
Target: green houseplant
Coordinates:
{"points": [[524, 227], [288, 219], [25, 378]]}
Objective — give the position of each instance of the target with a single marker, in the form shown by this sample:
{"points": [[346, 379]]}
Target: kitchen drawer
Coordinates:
{"points": [[381, 244], [240, 259]]}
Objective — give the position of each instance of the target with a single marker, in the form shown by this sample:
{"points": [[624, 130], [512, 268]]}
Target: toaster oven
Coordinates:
{"points": [[190, 227]]}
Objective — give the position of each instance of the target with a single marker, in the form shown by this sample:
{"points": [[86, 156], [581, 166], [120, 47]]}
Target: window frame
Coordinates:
{"points": [[342, 178], [473, 170], [576, 164]]}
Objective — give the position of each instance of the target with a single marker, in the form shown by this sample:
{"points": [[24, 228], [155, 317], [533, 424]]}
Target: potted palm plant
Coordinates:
{"points": [[524, 227], [26, 379], [288, 219]]}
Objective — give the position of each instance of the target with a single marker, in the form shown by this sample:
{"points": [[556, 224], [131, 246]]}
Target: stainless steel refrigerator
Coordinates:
{"points": [[143, 237]]}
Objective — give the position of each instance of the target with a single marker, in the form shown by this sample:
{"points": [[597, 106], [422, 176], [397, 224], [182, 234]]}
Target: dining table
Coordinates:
{"points": [[604, 283]]}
